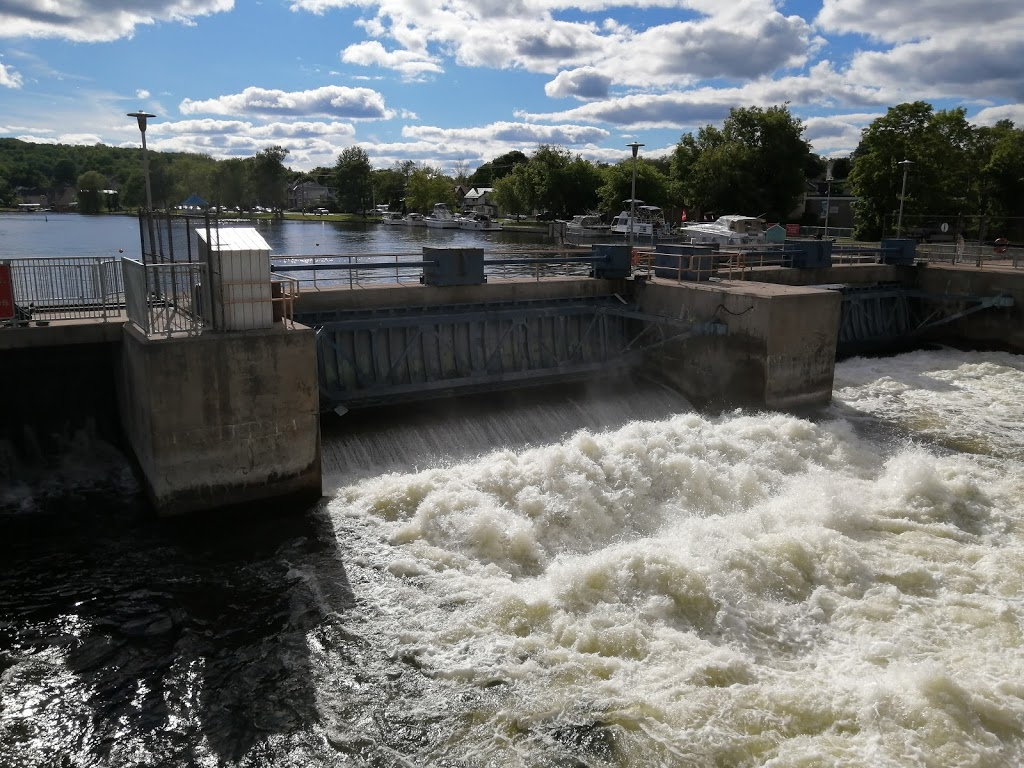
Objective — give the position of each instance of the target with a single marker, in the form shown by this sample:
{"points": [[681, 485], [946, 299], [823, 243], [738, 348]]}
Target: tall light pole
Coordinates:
{"points": [[828, 203], [635, 146], [142, 117], [903, 193]]}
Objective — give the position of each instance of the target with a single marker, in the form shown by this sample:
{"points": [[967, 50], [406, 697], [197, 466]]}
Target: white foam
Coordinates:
{"points": [[756, 588]]}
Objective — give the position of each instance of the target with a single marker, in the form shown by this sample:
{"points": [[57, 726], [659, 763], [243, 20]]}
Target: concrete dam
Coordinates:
{"points": [[219, 368]]}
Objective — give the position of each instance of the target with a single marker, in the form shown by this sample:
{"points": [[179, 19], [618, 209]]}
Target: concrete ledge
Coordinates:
{"points": [[59, 333]]}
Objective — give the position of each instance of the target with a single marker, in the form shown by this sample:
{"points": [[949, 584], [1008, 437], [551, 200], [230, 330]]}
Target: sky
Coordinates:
{"points": [[452, 84]]}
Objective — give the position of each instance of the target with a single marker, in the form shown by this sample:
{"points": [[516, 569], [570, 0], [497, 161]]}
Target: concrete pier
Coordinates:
{"points": [[778, 350], [222, 419]]}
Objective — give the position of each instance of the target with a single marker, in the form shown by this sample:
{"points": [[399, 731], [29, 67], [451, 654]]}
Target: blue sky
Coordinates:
{"points": [[454, 83]]}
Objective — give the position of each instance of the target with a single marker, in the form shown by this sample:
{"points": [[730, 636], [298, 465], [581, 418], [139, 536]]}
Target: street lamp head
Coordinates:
{"points": [[141, 117], [635, 146], [905, 163]]}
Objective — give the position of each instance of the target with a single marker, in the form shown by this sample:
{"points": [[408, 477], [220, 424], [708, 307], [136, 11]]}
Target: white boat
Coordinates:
{"points": [[648, 218], [587, 225], [479, 221], [726, 230], [391, 217], [414, 220], [441, 218]]}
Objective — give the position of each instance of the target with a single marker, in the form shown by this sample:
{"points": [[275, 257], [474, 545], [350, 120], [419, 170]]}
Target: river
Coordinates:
{"points": [[24, 235], [598, 578]]}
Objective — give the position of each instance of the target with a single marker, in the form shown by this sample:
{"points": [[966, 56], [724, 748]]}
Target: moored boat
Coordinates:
{"points": [[441, 218], [479, 221], [414, 220], [391, 217], [726, 230], [587, 225], [647, 221]]}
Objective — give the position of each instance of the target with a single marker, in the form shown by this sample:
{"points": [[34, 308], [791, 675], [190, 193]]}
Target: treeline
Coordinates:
{"points": [[91, 170], [758, 162], [968, 177], [767, 157]]}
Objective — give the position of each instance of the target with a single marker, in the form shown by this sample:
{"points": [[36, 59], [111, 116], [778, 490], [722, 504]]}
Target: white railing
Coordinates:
{"points": [[166, 299], [67, 288]]}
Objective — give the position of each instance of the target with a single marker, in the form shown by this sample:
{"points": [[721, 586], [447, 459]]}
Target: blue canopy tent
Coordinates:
{"points": [[194, 201]]}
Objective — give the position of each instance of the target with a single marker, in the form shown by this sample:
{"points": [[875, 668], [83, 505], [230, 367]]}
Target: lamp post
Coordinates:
{"points": [[635, 146], [828, 202], [903, 192], [142, 117]]}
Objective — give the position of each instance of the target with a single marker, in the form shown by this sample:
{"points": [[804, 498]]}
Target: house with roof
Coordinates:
{"points": [[308, 194], [478, 200]]}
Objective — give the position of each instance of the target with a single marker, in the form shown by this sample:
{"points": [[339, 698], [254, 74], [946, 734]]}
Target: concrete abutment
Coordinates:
{"points": [[223, 418]]}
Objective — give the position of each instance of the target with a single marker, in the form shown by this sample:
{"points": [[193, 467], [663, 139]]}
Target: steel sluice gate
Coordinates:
{"points": [[385, 356]]}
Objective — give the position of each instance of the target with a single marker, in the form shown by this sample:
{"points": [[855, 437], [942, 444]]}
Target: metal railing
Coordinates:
{"points": [[361, 270], [166, 299], [67, 288], [976, 254]]}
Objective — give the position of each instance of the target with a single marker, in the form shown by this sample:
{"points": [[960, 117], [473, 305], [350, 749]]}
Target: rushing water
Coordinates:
{"points": [[605, 579]]}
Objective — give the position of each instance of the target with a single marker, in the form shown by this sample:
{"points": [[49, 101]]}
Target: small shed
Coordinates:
{"points": [[776, 233], [238, 263]]}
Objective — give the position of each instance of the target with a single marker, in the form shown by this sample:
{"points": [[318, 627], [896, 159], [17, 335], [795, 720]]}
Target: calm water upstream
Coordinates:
{"points": [[35, 234], [598, 579]]}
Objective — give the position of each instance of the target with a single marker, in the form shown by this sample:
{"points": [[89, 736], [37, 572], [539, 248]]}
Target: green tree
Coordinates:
{"points": [[754, 164], [488, 174], [231, 183], [514, 193], [943, 178], [353, 180], [1002, 177], [652, 186], [388, 187], [65, 171], [426, 187], [91, 185], [268, 176], [191, 173]]}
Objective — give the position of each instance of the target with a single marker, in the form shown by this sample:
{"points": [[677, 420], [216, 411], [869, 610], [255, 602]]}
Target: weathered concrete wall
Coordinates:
{"points": [[1003, 328], [222, 419], [779, 351]]}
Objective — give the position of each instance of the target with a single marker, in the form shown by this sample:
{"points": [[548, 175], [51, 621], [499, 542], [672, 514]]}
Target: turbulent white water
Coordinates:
{"points": [[752, 589]]}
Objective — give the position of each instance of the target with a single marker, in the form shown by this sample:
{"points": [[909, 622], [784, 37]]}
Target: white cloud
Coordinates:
{"points": [[408, 63], [892, 22], [992, 115], [269, 131], [90, 21], [142, 93], [746, 38], [9, 78], [585, 84], [515, 133], [329, 101]]}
